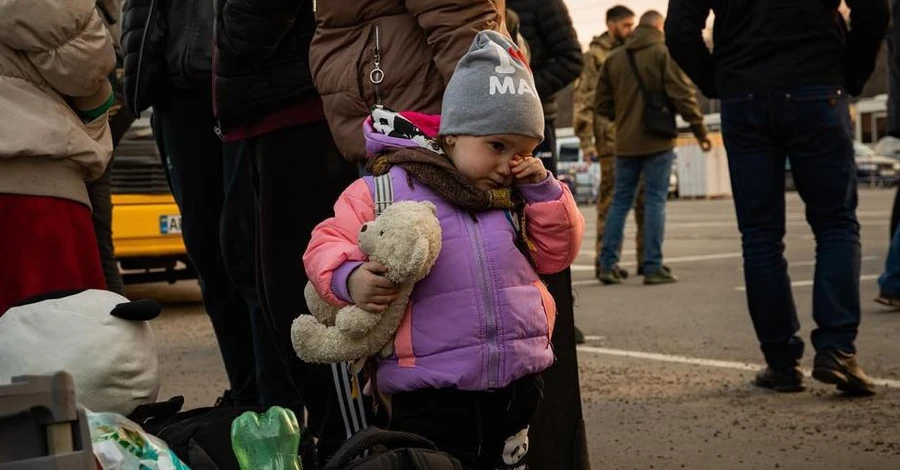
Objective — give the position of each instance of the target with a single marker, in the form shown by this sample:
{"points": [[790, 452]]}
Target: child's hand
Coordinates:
{"points": [[369, 289], [527, 169]]}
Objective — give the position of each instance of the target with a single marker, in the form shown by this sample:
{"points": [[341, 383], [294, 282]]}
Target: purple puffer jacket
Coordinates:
{"points": [[482, 318]]}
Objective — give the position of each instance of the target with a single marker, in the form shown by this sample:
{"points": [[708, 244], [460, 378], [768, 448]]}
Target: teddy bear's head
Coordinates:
{"points": [[406, 238], [101, 338]]}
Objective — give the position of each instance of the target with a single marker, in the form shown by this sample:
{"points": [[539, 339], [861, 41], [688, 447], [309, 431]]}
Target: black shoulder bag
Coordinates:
{"points": [[659, 118]]}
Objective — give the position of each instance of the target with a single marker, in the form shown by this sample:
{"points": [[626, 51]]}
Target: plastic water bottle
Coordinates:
{"points": [[268, 441]]}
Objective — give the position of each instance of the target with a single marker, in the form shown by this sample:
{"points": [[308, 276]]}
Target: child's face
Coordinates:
{"points": [[485, 160]]}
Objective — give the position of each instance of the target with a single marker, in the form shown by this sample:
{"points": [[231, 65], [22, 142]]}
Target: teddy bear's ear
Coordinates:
{"points": [[429, 205], [419, 255], [139, 310]]}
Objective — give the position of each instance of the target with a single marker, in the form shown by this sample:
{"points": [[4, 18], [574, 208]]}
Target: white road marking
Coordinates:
{"points": [[808, 283], [681, 259], [701, 362], [792, 264], [629, 229], [686, 259]]}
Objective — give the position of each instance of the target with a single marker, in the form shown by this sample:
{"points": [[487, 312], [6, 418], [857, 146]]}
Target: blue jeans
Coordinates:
{"points": [[811, 127], [211, 185], [889, 281], [657, 170]]}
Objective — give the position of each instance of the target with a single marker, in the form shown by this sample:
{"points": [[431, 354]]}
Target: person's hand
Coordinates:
{"points": [[527, 169], [705, 144], [590, 156], [370, 289]]}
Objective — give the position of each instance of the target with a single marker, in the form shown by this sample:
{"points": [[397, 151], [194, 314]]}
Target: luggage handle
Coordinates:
{"points": [[370, 437]]}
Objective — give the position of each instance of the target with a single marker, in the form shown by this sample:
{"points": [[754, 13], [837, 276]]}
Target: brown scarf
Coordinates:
{"points": [[439, 174]]}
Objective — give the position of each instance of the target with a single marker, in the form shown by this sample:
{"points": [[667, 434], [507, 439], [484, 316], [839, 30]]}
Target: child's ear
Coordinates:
{"points": [[449, 140]]}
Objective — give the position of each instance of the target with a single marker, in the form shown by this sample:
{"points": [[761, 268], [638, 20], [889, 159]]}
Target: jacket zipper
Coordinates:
{"points": [[215, 52], [137, 80], [376, 76], [490, 310]]}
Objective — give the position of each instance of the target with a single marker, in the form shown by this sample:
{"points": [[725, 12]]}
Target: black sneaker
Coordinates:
{"points": [[663, 276], [840, 368], [787, 380], [609, 277], [579, 336], [640, 270]]}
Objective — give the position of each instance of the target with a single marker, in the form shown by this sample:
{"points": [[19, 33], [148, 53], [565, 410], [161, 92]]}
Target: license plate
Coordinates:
{"points": [[169, 224]]}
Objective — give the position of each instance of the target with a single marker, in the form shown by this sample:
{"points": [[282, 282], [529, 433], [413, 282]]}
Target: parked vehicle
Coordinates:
{"points": [[146, 222], [889, 146], [582, 178], [872, 169]]}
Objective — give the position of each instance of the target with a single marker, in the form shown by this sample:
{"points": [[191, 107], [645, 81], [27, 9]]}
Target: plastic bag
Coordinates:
{"points": [[120, 444]]}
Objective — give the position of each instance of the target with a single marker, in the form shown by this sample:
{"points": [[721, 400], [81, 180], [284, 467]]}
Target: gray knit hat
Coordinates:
{"points": [[492, 92]]}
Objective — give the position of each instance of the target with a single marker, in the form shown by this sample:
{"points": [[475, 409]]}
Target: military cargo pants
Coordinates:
{"points": [[604, 201]]}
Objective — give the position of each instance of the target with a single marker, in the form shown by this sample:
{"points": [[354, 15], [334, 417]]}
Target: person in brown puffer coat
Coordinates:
{"points": [[410, 48]]}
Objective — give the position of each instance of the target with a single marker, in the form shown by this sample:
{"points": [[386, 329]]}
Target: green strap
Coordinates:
{"points": [[92, 114]]}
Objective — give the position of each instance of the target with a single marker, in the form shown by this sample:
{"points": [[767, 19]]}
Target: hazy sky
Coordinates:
{"points": [[589, 16]]}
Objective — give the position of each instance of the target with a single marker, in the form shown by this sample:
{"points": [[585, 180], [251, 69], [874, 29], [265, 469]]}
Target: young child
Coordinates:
{"points": [[468, 355]]}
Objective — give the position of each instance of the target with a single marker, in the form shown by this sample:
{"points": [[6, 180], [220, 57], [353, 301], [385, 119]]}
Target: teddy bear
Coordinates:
{"points": [[406, 239], [99, 337]]}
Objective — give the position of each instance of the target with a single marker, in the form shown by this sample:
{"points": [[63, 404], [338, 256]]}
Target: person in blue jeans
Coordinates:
{"points": [[787, 98], [630, 73], [889, 281]]}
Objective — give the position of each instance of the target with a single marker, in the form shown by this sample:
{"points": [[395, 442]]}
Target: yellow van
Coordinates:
{"points": [[146, 223]]}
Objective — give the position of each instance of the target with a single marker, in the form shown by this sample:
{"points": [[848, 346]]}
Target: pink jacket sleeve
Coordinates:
{"points": [[334, 247], [555, 225]]}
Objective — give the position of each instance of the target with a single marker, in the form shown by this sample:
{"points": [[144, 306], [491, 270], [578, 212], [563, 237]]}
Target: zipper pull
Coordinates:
{"points": [[376, 76], [219, 133]]}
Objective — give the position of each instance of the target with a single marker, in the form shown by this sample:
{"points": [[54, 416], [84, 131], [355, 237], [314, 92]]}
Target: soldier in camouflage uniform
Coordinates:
{"points": [[597, 134]]}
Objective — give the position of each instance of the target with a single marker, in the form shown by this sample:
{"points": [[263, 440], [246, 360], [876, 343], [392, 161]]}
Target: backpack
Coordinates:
{"points": [[377, 449], [201, 437]]}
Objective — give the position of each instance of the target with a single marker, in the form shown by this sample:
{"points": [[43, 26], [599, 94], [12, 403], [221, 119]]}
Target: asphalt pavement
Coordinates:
{"points": [[666, 370]]}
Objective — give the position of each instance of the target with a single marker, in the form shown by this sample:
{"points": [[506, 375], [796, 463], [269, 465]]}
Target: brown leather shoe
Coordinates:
{"points": [[840, 368], [787, 380]]}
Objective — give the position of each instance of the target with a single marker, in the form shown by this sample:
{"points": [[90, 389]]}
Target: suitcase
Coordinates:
{"points": [[41, 428]]}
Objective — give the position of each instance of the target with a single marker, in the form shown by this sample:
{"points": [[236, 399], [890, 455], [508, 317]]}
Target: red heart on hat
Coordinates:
{"points": [[517, 54]]}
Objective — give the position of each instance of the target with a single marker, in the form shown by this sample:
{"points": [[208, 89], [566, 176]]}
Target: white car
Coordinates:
{"points": [[872, 169], [584, 179]]}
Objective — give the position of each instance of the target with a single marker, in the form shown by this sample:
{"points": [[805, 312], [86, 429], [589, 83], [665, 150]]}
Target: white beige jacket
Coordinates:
{"points": [[55, 55]]}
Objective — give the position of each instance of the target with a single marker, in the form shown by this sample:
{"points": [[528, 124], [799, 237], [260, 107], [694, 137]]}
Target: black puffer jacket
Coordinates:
{"points": [[166, 43], [262, 58], [556, 58]]}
